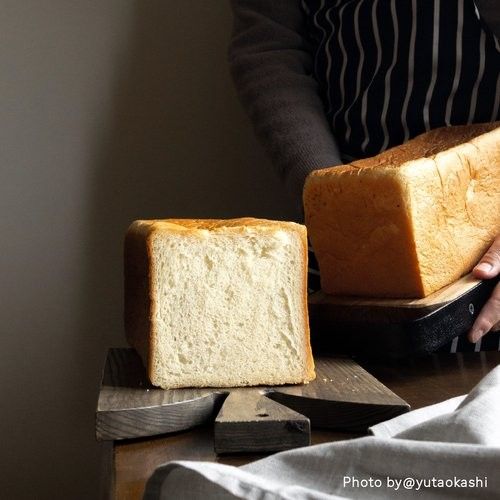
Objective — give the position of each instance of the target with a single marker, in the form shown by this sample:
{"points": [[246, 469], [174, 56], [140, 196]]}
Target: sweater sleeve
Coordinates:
{"points": [[271, 65]]}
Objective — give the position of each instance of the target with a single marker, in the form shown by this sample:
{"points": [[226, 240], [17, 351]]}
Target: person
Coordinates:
{"points": [[329, 81]]}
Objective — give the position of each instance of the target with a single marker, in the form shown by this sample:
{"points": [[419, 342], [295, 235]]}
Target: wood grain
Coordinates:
{"points": [[129, 406], [434, 300], [343, 396], [396, 328], [249, 421]]}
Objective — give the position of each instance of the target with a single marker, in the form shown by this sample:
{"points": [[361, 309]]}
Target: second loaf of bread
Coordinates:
{"points": [[411, 220]]}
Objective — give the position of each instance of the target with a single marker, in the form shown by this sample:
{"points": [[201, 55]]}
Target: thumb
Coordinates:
{"points": [[489, 265]]}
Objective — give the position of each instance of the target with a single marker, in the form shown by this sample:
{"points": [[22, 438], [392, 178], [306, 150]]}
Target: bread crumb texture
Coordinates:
{"points": [[224, 302], [411, 220]]}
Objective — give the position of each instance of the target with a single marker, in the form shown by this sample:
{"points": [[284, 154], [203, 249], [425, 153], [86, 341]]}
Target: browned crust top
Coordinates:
{"points": [[241, 223], [426, 145]]}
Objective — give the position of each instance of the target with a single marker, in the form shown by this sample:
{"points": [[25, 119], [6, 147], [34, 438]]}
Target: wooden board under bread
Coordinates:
{"points": [[255, 419], [396, 327]]}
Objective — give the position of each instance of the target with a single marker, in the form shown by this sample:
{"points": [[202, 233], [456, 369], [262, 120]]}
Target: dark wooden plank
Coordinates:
{"points": [[446, 294], [343, 396], [427, 380], [129, 406], [249, 421], [107, 472], [136, 459], [396, 328]]}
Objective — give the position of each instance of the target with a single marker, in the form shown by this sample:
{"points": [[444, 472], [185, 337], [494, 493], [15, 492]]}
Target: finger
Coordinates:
{"points": [[488, 317], [489, 265]]}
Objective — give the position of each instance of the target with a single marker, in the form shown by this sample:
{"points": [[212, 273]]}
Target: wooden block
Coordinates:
{"points": [[129, 406], [255, 419], [396, 327], [250, 421]]}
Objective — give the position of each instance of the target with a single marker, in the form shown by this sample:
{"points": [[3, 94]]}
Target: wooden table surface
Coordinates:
{"points": [[421, 382]]}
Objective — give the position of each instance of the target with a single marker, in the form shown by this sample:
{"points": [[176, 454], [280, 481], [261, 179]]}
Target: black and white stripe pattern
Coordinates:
{"points": [[391, 69]]}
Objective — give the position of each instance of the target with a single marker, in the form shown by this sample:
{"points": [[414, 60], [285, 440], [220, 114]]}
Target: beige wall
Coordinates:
{"points": [[109, 111]]}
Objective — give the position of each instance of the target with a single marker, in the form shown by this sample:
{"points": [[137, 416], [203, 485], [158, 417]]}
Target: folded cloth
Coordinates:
{"points": [[391, 427], [448, 450]]}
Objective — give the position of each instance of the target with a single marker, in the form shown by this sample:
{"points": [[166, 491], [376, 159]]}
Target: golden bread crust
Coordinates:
{"points": [[411, 220]]}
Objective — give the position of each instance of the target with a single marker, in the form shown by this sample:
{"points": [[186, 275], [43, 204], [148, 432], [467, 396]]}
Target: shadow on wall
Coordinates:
{"points": [[177, 145]]}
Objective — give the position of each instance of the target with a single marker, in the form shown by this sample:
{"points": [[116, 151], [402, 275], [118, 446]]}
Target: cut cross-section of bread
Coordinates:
{"points": [[411, 220], [218, 303]]}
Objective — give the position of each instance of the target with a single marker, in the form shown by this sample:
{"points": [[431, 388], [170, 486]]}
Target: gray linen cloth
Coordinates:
{"points": [[447, 450]]}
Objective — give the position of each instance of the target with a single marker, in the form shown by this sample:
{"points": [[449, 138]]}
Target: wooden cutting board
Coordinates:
{"points": [[396, 327], [255, 419]]}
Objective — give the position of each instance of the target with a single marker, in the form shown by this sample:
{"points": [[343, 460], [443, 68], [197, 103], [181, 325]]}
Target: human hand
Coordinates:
{"points": [[489, 317]]}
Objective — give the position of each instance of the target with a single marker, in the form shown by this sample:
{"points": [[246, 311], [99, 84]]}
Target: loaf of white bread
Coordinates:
{"points": [[408, 221], [218, 303]]}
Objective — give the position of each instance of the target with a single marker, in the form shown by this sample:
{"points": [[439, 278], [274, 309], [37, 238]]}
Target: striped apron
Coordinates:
{"points": [[389, 70]]}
